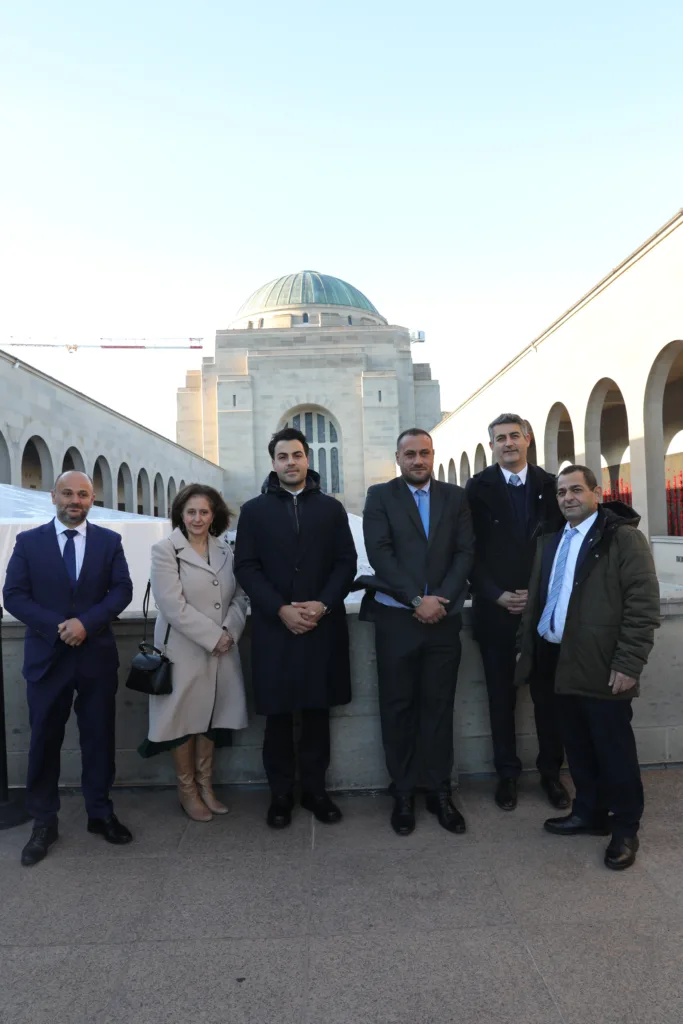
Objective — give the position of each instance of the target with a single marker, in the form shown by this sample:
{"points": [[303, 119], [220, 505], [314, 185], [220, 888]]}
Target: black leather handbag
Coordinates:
{"points": [[150, 672]]}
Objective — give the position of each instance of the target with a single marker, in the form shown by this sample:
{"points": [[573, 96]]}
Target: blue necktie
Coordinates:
{"points": [[515, 480], [424, 512], [548, 616], [422, 509], [70, 555]]}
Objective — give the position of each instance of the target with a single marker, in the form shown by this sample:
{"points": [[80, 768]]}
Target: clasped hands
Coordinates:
{"points": [[72, 632], [223, 645], [431, 609], [514, 602], [301, 616]]}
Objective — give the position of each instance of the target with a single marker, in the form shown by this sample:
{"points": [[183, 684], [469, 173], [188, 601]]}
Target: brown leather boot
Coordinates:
{"points": [[183, 759], [204, 772]]}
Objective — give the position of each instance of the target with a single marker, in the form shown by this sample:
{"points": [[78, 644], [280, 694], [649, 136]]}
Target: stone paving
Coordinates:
{"points": [[229, 922]]}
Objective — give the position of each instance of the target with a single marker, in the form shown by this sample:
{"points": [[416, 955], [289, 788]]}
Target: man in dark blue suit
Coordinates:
{"points": [[66, 581]]}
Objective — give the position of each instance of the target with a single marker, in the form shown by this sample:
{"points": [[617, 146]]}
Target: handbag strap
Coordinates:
{"points": [[145, 608]]}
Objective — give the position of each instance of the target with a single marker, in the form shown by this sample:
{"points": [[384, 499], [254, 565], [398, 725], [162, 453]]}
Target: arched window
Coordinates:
{"points": [[304, 318], [350, 320], [324, 454], [260, 323]]}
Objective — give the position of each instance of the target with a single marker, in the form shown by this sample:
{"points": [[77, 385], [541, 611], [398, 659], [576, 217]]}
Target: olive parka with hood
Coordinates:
{"points": [[613, 610]]}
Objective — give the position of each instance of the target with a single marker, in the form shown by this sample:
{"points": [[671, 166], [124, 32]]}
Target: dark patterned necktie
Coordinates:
{"points": [[70, 555]]}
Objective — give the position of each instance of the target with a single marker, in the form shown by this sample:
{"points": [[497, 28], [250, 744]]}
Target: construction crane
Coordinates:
{"points": [[104, 343]]}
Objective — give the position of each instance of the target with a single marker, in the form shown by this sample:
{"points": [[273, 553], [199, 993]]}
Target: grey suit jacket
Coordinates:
{"points": [[404, 559]]}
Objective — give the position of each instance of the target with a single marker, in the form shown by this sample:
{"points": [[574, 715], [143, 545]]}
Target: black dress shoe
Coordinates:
{"points": [[573, 825], [110, 829], [621, 853], [556, 793], [506, 794], [280, 810], [448, 814], [42, 838], [403, 815], [321, 807]]}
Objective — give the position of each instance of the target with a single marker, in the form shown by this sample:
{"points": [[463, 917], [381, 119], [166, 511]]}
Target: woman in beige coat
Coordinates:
{"points": [[198, 597]]}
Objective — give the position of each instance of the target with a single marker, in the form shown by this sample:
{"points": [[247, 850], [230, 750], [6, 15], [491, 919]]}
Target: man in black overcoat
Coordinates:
{"points": [[418, 538], [296, 560], [512, 503]]}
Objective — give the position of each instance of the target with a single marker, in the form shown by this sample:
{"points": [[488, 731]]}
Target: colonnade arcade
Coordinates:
{"points": [[610, 428]]}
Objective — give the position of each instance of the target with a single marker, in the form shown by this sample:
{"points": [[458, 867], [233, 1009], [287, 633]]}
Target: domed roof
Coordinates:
{"points": [[307, 288]]}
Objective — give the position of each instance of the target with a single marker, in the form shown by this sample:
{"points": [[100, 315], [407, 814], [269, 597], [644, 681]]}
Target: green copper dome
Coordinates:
{"points": [[307, 288]]}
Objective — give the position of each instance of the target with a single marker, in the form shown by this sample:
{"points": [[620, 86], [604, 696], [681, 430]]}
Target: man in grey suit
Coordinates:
{"points": [[419, 540]]}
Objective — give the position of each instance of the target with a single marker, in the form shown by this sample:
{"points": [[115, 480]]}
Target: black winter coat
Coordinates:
{"points": [[296, 551]]}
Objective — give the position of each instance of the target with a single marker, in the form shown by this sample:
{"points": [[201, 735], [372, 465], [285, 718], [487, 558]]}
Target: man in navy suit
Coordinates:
{"points": [[66, 581]]}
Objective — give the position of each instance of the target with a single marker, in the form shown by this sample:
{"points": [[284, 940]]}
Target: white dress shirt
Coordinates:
{"points": [[381, 598], [507, 473], [554, 636], [79, 541]]}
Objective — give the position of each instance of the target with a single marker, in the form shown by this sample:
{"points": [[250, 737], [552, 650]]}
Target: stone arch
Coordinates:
{"points": [[663, 418], [465, 473], [102, 483], [143, 495], [159, 496], [37, 473], [171, 492], [607, 438], [73, 460], [323, 434], [124, 489], [5, 461], [479, 458], [452, 476], [559, 438], [181, 485], [441, 474]]}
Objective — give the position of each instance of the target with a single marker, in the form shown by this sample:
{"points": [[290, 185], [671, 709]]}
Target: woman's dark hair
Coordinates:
{"points": [[221, 512]]}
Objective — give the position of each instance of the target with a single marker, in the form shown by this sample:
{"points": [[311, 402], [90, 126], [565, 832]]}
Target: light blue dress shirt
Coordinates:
{"points": [[384, 598], [554, 636]]}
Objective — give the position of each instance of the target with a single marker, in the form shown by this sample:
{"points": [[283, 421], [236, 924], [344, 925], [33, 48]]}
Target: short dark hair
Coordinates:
{"points": [[508, 417], [286, 434], [589, 476], [221, 512], [412, 432]]}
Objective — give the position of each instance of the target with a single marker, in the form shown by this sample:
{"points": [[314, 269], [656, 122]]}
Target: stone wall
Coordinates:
{"points": [[357, 758]]}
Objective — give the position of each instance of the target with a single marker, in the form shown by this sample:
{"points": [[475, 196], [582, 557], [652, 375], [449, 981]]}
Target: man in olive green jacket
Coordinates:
{"points": [[589, 624]]}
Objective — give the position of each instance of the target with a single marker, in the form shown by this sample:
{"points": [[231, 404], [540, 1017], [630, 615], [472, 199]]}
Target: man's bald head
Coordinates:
{"points": [[73, 496]]}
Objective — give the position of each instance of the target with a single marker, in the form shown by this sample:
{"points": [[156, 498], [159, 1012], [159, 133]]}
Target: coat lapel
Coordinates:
{"points": [[53, 556], [186, 553], [92, 540], [407, 500], [218, 554], [584, 564], [436, 504]]}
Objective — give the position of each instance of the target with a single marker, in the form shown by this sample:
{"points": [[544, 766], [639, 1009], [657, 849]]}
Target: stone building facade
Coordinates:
{"points": [[312, 351], [47, 427]]}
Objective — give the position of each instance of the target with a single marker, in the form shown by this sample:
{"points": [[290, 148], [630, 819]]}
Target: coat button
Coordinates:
{"points": [[217, 605], [215, 583]]}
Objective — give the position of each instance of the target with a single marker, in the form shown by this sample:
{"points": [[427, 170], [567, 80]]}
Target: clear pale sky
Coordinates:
{"points": [[473, 168]]}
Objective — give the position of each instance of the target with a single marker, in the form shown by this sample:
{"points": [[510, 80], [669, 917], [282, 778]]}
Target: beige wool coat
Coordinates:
{"points": [[197, 599]]}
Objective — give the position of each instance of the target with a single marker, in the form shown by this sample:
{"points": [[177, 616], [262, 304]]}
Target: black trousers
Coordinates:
{"points": [[313, 748], [49, 703], [499, 656], [602, 757], [417, 669]]}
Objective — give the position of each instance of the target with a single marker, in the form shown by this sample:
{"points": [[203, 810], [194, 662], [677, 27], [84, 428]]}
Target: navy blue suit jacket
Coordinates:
{"points": [[39, 593]]}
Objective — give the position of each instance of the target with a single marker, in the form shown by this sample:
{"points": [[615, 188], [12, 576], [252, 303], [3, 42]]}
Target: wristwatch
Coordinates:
{"points": [[416, 601], [326, 608]]}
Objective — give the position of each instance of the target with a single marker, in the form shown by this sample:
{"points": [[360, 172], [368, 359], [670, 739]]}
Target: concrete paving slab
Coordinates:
{"points": [[221, 981], [479, 976], [613, 972], [403, 890]]}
